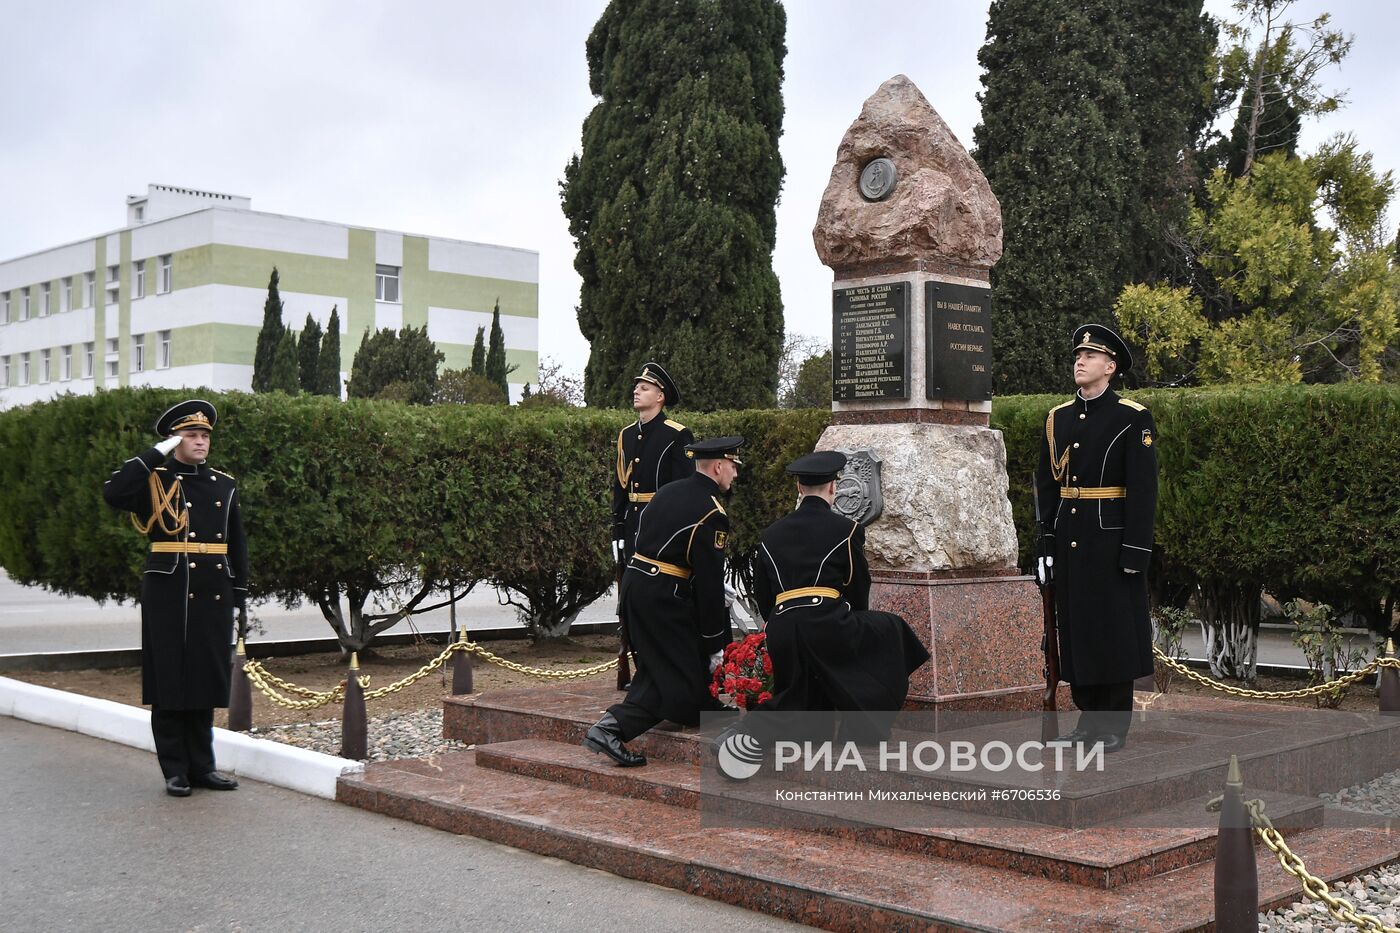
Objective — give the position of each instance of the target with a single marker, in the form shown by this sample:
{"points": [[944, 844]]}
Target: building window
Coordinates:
{"points": [[65, 295], [24, 369], [111, 369], [24, 307], [114, 284], [166, 279], [4, 307], [4, 371], [65, 363], [386, 283], [112, 346], [87, 360], [113, 274], [45, 303], [140, 212], [138, 279], [89, 289], [45, 365], [163, 353], [138, 353]]}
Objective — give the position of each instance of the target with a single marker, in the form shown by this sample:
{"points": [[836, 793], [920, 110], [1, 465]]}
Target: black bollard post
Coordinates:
{"points": [[1236, 874], [353, 740], [461, 669], [240, 693], [1390, 683]]}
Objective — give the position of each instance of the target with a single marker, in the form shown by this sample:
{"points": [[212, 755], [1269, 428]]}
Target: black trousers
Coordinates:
{"points": [[184, 741], [1106, 709]]}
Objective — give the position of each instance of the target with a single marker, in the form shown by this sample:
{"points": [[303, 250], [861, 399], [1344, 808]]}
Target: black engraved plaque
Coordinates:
{"points": [[959, 332], [870, 342]]}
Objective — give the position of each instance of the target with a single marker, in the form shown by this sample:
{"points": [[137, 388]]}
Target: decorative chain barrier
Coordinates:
{"points": [[1315, 690], [1313, 886], [270, 685]]}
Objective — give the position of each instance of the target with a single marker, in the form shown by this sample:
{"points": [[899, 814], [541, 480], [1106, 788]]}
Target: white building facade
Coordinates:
{"points": [[176, 297]]}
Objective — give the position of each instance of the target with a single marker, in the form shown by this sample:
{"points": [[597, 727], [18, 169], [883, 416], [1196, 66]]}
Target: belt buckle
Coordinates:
{"points": [[203, 547], [1074, 491]]}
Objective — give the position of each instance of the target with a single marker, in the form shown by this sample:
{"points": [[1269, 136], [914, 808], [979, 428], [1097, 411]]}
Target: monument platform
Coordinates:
{"points": [[1132, 849]]}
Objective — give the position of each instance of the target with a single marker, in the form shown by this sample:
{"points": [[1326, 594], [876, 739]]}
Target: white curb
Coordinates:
{"points": [[262, 760]]}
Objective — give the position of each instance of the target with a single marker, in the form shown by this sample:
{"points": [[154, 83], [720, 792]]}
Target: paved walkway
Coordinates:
{"points": [[92, 842]]}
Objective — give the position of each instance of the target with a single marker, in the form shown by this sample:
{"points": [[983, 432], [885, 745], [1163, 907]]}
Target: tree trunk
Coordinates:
{"points": [[1230, 624]]}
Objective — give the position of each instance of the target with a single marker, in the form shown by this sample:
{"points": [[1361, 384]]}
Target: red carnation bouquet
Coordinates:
{"points": [[744, 677]]}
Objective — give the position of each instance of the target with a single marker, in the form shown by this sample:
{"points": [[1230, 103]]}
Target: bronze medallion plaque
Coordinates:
{"points": [[877, 179]]}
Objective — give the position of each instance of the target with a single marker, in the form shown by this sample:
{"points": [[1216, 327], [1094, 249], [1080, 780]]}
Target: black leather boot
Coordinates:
{"points": [[605, 737]]}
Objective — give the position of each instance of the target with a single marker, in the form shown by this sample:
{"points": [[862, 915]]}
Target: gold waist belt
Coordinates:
{"points": [[182, 547], [1093, 492], [816, 592], [668, 569], [640, 496]]}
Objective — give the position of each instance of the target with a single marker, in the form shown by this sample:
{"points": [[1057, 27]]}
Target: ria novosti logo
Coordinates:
{"points": [[739, 756]]}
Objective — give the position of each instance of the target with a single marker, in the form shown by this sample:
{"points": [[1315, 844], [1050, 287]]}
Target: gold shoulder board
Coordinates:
{"points": [[674, 425], [1062, 405], [1132, 404], [718, 506], [222, 473]]}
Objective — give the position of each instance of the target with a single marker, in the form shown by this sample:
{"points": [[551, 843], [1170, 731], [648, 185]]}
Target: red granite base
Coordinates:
{"points": [[983, 633], [825, 881]]}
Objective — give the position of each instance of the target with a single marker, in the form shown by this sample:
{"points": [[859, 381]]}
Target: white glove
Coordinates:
{"points": [[1126, 570], [618, 550], [169, 444], [1045, 570], [715, 660]]}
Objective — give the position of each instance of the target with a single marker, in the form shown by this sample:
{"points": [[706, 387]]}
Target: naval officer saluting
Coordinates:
{"points": [[196, 574]]}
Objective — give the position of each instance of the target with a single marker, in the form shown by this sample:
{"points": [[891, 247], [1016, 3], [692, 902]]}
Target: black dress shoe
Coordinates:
{"points": [[605, 738], [177, 786], [215, 781], [1073, 736], [1111, 743]]}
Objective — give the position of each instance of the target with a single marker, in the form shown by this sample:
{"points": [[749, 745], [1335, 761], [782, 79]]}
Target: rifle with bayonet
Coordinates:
{"points": [[1050, 640]]}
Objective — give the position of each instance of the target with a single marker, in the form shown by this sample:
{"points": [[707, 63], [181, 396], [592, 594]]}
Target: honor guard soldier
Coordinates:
{"points": [[829, 650], [1097, 485], [650, 454], [672, 603], [196, 574]]}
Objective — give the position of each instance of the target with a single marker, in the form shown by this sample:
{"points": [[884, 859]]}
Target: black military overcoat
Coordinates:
{"points": [[829, 649], [1097, 484], [672, 599], [187, 597], [649, 456]]}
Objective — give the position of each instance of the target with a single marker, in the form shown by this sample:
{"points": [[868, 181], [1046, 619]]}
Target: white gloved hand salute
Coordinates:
{"points": [[169, 444]]}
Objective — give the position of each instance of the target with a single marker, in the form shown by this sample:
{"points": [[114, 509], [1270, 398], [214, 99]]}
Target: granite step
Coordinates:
{"points": [[1114, 854], [825, 881]]}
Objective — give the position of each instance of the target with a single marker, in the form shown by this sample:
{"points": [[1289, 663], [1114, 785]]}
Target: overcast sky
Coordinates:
{"points": [[456, 118]]}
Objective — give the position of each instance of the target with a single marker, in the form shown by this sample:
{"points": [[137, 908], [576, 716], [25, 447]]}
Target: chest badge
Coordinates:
{"points": [[1146, 437]]}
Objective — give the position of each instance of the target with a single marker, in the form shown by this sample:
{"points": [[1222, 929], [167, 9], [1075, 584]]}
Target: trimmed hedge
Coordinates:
{"points": [[1289, 489]]}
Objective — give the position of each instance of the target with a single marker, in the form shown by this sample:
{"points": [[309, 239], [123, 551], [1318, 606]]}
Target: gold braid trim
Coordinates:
{"points": [[622, 477], [162, 504], [1058, 465]]}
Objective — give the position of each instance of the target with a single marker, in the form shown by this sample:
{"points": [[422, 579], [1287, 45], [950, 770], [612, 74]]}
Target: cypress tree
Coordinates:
{"points": [[309, 354], [399, 365], [671, 200], [284, 376], [496, 369], [479, 352], [269, 337], [328, 362]]}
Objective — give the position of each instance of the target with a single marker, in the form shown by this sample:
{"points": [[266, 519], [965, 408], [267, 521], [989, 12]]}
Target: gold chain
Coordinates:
{"points": [[1313, 886], [269, 684], [1316, 690]]}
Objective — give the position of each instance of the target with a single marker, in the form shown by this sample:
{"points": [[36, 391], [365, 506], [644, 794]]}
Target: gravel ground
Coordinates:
{"points": [[410, 734]]}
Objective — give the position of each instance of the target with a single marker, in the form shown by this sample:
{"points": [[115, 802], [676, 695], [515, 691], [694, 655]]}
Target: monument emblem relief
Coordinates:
{"points": [[858, 487], [877, 179]]}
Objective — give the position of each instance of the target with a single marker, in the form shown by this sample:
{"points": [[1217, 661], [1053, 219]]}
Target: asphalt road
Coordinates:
{"points": [[34, 621], [92, 842]]}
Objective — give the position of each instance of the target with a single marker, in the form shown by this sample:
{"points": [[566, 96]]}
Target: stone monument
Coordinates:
{"points": [[911, 229]]}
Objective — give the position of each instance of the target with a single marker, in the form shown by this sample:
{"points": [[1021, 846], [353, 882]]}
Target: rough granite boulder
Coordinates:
{"points": [[944, 489], [941, 207]]}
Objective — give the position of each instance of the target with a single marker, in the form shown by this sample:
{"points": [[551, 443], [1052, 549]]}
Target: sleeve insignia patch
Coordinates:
{"points": [[1146, 438], [721, 540]]}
